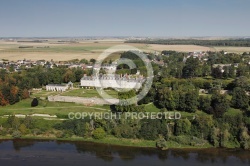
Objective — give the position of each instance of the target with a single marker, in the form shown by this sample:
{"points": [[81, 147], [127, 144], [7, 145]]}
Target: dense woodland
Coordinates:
{"points": [[229, 42], [221, 119]]}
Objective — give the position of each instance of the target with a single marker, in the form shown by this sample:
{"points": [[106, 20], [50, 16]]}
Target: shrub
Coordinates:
{"points": [[34, 102], [99, 133], [23, 129], [16, 134], [161, 143]]}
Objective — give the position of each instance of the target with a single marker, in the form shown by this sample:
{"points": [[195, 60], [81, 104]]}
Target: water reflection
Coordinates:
{"points": [[67, 151]]}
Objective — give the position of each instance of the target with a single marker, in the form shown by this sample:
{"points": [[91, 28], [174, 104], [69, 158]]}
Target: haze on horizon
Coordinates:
{"points": [[51, 18]]}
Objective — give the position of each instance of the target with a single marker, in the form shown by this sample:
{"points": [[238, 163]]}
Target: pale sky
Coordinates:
{"points": [[60, 18]]}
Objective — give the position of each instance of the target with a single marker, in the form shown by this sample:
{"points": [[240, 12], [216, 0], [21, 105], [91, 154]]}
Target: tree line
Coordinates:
{"points": [[228, 42]]}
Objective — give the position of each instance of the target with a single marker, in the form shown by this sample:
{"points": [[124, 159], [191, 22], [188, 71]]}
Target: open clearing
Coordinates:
{"points": [[62, 51]]}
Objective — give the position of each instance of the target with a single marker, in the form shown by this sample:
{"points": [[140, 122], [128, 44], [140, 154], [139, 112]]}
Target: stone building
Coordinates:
{"points": [[59, 87], [113, 81]]}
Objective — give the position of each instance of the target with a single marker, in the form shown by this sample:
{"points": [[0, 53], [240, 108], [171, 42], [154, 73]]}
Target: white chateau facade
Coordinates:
{"points": [[112, 81], [59, 87]]}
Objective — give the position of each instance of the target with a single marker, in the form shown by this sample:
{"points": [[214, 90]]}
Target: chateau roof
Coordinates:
{"points": [[114, 77]]}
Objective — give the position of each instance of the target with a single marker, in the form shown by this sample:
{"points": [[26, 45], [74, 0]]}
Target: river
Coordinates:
{"points": [[59, 153]]}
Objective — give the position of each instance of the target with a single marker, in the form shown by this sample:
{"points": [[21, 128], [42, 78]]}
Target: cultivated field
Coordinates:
{"points": [[233, 49], [180, 48], [62, 51]]}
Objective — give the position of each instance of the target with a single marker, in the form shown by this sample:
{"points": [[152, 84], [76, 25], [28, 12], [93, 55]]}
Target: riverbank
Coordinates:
{"points": [[46, 152], [114, 141]]}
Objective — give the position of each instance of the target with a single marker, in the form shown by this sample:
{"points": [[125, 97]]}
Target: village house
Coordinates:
{"points": [[221, 66]]}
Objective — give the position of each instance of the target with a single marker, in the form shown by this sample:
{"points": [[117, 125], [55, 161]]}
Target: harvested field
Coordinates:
{"points": [[62, 51], [233, 49], [180, 48]]}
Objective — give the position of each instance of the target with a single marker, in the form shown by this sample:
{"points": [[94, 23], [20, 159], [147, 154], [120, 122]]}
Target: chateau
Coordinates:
{"points": [[113, 81]]}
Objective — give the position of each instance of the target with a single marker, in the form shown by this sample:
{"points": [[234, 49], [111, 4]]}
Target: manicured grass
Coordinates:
{"points": [[51, 108], [43, 93], [88, 93], [151, 108], [81, 92]]}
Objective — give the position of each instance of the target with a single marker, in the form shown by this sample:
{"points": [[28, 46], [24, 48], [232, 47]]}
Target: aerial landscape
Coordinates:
{"points": [[124, 83]]}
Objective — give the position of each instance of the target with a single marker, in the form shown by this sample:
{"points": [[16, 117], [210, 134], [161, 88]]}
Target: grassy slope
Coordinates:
{"points": [[51, 108], [55, 108]]}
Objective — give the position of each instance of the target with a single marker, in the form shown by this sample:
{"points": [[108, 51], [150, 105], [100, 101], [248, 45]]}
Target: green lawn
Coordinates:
{"points": [[88, 93], [51, 108], [43, 93], [152, 108], [81, 92]]}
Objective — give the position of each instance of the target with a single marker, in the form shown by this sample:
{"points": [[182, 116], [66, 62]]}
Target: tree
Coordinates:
{"points": [[69, 76], [126, 103], [79, 128], [182, 101], [225, 135], [234, 121], [25, 94], [55, 76], [242, 82], [14, 96], [23, 129], [202, 125], [34, 102], [206, 70], [99, 133], [13, 121], [215, 137], [150, 97], [43, 78], [191, 101], [28, 122], [240, 98], [150, 129], [242, 70], [231, 72], [190, 68], [217, 73], [182, 127], [244, 138], [78, 74], [226, 71], [165, 98], [85, 61], [161, 143], [92, 60], [16, 134], [3, 101], [204, 103], [220, 104]]}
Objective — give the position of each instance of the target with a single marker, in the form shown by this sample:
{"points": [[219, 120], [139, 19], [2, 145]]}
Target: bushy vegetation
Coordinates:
{"points": [[218, 115]]}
